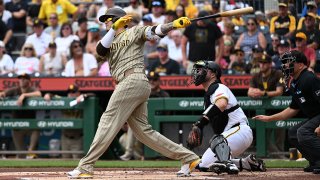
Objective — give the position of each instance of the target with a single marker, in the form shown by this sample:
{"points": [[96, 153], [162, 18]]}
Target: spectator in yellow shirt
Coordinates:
{"points": [[190, 9], [61, 7]]}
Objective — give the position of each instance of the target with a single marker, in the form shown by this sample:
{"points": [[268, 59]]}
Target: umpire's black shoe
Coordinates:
{"points": [[309, 168], [316, 170]]}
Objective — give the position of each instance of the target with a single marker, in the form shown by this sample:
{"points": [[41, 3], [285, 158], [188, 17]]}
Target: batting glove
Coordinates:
{"points": [[122, 22], [181, 22]]}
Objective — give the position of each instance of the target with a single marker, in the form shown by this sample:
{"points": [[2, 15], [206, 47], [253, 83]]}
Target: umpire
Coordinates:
{"points": [[305, 91]]}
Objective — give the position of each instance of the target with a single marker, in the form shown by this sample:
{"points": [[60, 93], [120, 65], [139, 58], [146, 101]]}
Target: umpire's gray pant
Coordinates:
{"points": [[129, 103]]}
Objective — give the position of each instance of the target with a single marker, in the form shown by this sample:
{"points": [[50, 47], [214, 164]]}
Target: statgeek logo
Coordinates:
{"points": [[280, 123]]}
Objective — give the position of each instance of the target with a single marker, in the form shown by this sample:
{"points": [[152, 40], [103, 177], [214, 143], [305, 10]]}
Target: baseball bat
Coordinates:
{"points": [[225, 14]]}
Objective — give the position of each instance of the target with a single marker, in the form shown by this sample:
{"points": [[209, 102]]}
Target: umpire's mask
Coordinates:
{"points": [[200, 69]]}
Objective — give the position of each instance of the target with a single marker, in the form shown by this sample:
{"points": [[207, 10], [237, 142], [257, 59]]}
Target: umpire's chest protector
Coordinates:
{"points": [[219, 121]]}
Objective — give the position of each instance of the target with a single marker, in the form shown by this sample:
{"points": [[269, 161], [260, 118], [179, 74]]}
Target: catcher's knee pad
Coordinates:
{"points": [[219, 146]]}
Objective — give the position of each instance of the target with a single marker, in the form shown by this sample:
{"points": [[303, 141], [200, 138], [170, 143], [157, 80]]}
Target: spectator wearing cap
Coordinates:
{"points": [[164, 65], [80, 64], [82, 32], [237, 63], [283, 46], [39, 39], [269, 83], [312, 12], [135, 7], [310, 29], [93, 38], [157, 12], [190, 9], [147, 20], [311, 5], [23, 91], [283, 24], [71, 139], [6, 62], [28, 61], [6, 25], [54, 27], [237, 20], [66, 37], [155, 82], [257, 55], [61, 7], [19, 9], [202, 37], [251, 37], [53, 62], [301, 45]]}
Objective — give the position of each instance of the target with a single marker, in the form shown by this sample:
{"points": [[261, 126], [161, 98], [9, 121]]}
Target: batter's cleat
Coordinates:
{"points": [[76, 174], [256, 164], [186, 169]]}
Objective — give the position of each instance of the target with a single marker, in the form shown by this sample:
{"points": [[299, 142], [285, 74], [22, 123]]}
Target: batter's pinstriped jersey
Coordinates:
{"points": [[126, 52]]}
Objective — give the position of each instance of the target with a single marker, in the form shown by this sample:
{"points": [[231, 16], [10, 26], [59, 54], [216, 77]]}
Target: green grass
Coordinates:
{"points": [[129, 164]]}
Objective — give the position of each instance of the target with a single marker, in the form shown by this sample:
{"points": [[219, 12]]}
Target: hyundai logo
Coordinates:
{"points": [[275, 102], [42, 124], [184, 103], [33, 103], [280, 123]]}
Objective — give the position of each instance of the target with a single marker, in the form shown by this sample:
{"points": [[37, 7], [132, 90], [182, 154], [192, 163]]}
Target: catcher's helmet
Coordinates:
{"points": [[288, 59], [114, 13], [200, 69]]}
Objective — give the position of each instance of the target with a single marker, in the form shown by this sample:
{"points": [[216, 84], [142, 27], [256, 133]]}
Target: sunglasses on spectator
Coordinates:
{"points": [[76, 46], [53, 18], [66, 28], [275, 40], [251, 24], [28, 48]]}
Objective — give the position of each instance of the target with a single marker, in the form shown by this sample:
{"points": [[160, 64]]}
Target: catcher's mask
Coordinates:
{"points": [[200, 70], [288, 59]]}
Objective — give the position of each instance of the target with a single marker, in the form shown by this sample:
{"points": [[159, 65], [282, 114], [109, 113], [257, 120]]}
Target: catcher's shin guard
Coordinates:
{"points": [[219, 146]]}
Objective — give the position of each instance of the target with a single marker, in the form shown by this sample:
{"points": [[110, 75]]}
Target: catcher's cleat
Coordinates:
{"points": [[256, 164], [76, 174], [232, 168], [224, 167], [186, 169]]}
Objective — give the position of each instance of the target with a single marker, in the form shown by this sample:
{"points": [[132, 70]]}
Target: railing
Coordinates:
{"points": [[189, 106], [87, 122]]}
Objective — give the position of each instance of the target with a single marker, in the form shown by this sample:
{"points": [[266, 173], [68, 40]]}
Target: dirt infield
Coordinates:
{"points": [[150, 173]]}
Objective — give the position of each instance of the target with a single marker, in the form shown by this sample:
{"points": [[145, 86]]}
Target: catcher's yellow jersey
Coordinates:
{"points": [[126, 51]]}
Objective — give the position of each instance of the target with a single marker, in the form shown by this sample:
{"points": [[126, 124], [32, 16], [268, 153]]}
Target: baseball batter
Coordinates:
{"points": [[124, 50], [232, 134]]}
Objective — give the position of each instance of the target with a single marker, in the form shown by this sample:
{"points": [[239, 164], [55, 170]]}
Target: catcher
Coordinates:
{"points": [[232, 134]]}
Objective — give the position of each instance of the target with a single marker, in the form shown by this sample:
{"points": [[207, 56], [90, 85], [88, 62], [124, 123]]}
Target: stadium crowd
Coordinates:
{"points": [[58, 37]]}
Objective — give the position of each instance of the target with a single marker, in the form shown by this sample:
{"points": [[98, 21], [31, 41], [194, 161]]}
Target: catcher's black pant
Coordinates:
{"points": [[307, 142]]}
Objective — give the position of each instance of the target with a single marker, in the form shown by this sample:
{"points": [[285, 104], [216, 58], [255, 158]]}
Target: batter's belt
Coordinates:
{"points": [[128, 72]]}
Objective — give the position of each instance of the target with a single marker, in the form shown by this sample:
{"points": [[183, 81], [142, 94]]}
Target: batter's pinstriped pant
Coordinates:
{"points": [[129, 103]]}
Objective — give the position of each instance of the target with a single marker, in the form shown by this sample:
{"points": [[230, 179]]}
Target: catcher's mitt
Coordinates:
{"points": [[194, 137]]}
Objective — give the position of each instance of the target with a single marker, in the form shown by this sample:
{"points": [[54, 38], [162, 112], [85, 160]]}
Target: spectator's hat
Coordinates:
{"points": [[283, 3], [284, 42], [265, 59], [257, 49], [158, 3], [72, 88], [37, 23], [311, 14], [312, 3], [52, 44], [2, 44], [162, 47], [93, 27], [153, 76], [237, 50], [24, 76], [301, 35], [147, 18]]}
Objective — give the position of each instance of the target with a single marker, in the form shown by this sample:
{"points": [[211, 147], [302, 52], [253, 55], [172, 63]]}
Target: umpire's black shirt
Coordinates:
{"points": [[305, 91]]}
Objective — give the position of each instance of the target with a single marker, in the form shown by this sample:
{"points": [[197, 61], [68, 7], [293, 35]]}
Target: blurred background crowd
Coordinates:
{"points": [[58, 37]]}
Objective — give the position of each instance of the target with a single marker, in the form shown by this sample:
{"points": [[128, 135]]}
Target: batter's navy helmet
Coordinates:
{"points": [[114, 13]]}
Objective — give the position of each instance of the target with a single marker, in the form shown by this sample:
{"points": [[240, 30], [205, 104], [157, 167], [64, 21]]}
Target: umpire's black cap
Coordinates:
{"points": [[111, 13]]}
